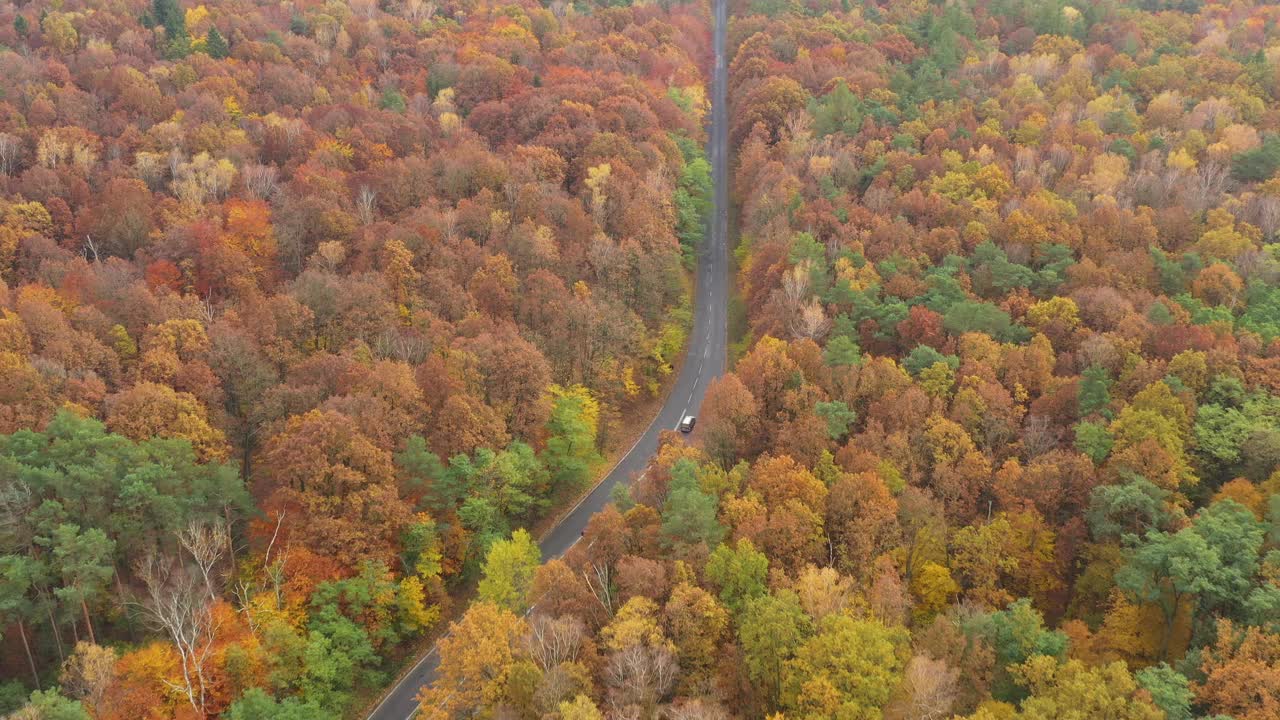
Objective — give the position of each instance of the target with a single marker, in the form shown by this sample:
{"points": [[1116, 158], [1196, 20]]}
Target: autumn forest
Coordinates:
{"points": [[315, 315]]}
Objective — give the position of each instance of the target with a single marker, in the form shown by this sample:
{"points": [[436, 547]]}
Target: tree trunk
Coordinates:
{"points": [[124, 607], [57, 634], [84, 608], [231, 542], [22, 632]]}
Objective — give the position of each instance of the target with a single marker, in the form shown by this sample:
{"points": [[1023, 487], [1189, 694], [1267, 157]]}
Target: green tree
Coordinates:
{"points": [[971, 316], [508, 572], [740, 572], [1094, 395], [1132, 507], [421, 471], [338, 655], [1211, 563], [689, 514], [393, 100], [1169, 690], [770, 629], [842, 350], [839, 111], [1258, 164], [1017, 634], [1094, 440], [170, 15], [692, 197], [256, 704], [838, 417], [215, 45], [19, 575], [923, 356], [571, 436], [49, 705], [83, 560]]}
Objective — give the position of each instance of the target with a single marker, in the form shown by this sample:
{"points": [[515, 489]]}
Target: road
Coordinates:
{"points": [[705, 360]]}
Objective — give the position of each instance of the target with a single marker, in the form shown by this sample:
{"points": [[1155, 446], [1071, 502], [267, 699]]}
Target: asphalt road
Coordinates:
{"points": [[704, 361]]}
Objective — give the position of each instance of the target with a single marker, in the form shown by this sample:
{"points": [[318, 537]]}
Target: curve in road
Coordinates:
{"points": [[705, 360]]}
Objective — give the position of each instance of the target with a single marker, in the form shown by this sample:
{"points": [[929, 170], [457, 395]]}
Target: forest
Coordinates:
{"points": [[313, 313], [303, 305], [1002, 434]]}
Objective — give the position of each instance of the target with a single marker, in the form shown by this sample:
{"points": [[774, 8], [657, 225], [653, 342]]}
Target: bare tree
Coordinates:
{"points": [[698, 709], [640, 676], [364, 203], [260, 180], [552, 641], [810, 322], [795, 284], [272, 572], [931, 687], [405, 345], [10, 147], [206, 542], [600, 581], [1039, 436], [1202, 190], [177, 605]]}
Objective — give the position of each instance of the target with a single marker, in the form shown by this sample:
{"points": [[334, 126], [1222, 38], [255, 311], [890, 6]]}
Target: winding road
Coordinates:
{"points": [[704, 360]]}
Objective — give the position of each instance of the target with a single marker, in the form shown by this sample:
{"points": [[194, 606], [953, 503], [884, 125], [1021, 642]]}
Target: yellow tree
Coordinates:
{"points": [[476, 661]]}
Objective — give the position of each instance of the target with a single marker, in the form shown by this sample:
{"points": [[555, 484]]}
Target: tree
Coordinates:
{"points": [[696, 623], [87, 674], [770, 630], [18, 577], [931, 688], [169, 15], [337, 486], [838, 111], [1210, 564], [151, 410], [1072, 690], [1169, 570], [730, 420], [49, 705], [580, 708], [476, 659], [1169, 690], [848, 668], [256, 704], [508, 572], [1017, 634], [1095, 391], [83, 558], [740, 572], [571, 443], [178, 606], [838, 417], [689, 514], [215, 45], [1241, 669]]}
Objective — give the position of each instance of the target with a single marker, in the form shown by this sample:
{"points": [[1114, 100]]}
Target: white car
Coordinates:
{"points": [[686, 425]]}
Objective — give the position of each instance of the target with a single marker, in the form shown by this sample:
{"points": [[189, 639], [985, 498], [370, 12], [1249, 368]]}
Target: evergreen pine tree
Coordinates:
{"points": [[215, 45], [169, 14]]}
